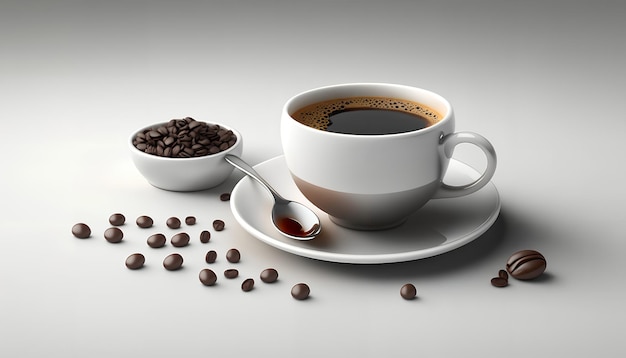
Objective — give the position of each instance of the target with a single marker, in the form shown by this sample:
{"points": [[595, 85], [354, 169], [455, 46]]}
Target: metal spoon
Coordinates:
{"points": [[290, 218]]}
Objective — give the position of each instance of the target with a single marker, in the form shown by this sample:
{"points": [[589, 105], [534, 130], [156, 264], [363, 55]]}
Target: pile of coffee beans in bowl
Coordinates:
{"points": [[184, 138]]}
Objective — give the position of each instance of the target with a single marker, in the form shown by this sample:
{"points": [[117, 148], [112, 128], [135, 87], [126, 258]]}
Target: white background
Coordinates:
{"points": [[543, 80]]}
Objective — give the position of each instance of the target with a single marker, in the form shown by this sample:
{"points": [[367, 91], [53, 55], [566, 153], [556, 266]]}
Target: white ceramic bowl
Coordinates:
{"points": [[184, 174]]}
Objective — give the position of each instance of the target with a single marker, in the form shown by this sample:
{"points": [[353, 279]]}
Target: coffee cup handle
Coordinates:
{"points": [[448, 143]]}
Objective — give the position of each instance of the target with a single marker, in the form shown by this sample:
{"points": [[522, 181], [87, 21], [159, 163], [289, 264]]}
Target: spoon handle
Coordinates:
{"points": [[246, 168]]}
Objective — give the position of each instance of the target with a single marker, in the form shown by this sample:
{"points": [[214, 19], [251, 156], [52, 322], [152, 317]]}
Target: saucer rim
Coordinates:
{"points": [[412, 255]]}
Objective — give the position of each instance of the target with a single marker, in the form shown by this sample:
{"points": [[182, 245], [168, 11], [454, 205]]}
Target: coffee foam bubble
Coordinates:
{"points": [[317, 115]]}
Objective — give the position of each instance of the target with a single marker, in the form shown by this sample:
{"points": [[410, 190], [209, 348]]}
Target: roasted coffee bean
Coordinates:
{"points": [[207, 277], [233, 255], [218, 225], [231, 273], [156, 240], [503, 274], [225, 197], [210, 257], [81, 231], [408, 291], [184, 138], [190, 220], [173, 222], [113, 235], [205, 236], [247, 285], [300, 291], [526, 264], [181, 239], [163, 130], [269, 275], [173, 262], [117, 219], [135, 261], [499, 282], [144, 221], [193, 124]]}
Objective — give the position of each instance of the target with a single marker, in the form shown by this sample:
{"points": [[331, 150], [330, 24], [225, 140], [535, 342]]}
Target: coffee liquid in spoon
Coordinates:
{"points": [[292, 227]]}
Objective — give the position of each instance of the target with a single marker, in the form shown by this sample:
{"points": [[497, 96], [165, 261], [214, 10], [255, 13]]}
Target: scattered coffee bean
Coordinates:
{"points": [[300, 291], [231, 273], [184, 138], [233, 255], [207, 277], [269, 275], [210, 257], [408, 291], [499, 282], [205, 236], [117, 219], [190, 220], [218, 225], [173, 262], [81, 231], [135, 261], [526, 264], [113, 235], [173, 222], [225, 197], [503, 274], [144, 222], [181, 239], [247, 285], [156, 240]]}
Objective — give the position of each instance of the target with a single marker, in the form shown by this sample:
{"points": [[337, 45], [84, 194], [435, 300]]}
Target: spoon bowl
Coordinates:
{"points": [[290, 218], [305, 226]]}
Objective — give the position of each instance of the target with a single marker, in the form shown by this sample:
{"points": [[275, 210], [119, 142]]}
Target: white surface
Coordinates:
{"points": [[543, 80], [438, 227]]}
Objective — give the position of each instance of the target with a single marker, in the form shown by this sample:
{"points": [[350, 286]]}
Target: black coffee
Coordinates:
{"points": [[374, 121], [367, 115]]}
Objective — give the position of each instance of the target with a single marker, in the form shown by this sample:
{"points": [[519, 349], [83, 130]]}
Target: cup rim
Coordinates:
{"points": [[190, 159], [446, 117]]}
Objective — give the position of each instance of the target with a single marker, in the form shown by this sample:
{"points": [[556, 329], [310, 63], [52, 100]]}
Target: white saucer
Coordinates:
{"points": [[438, 227]]}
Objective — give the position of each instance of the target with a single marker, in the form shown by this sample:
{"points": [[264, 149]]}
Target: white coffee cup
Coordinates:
{"points": [[372, 182]]}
